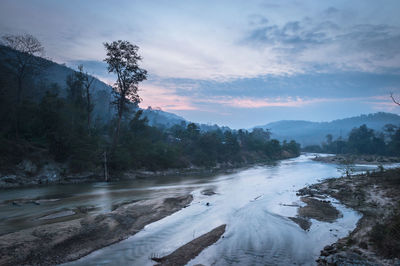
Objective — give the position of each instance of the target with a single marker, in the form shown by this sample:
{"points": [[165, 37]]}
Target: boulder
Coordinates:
{"points": [[28, 166], [9, 179]]}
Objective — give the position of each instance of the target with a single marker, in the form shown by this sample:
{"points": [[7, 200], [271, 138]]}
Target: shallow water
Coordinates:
{"points": [[23, 208], [252, 204]]}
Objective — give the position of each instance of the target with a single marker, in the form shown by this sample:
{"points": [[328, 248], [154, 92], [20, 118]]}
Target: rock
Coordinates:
{"points": [[27, 166], [208, 192], [10, 179], [363, 245], [324, 253], [16, 204], [50, 173], [304, 223], [57, 215]]}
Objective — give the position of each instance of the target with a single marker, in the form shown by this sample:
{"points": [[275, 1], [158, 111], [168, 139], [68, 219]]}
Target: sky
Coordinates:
{"points": [[233, 63]]}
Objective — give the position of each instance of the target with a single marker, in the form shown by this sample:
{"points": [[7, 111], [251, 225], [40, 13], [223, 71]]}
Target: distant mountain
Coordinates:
{"points": [[309, 133]]}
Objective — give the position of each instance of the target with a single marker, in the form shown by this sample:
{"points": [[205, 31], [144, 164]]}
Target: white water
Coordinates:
{"points": [[251, 203]]}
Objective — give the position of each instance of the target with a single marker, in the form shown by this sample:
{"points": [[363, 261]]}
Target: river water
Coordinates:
{"points": [[252, 202]]}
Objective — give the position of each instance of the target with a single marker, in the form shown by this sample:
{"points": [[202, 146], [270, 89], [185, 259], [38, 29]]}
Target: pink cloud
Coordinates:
{"points": [[164, 98], [378, 102], [382, 103], [246, 102]]}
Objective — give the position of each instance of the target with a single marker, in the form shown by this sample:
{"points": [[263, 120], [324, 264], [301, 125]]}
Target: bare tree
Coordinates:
{"points": [[394, 100], [23, 63], [123, 60], [87, 84]]}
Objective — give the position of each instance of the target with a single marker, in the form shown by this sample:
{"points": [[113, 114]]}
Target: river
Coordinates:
{"points": [[255, 203]]}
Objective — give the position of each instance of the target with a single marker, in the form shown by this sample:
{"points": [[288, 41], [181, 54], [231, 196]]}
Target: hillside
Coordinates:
{"points": [[54, 73], [309, 133]]}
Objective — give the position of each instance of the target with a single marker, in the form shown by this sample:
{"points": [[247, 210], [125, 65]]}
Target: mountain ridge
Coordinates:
{"points": [[311, 133]]}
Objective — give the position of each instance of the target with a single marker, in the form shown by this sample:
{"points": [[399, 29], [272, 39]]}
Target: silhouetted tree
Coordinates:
{"points": [[123, 60], [23, 64], [87, 82], [329, 139]]}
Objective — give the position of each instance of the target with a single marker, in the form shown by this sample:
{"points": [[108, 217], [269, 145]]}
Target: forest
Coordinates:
{"points": [[363, 140], [39, 120]]}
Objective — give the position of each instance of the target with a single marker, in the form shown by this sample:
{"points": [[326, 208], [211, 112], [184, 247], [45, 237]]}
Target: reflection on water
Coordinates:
{"points": [[254, 203]]}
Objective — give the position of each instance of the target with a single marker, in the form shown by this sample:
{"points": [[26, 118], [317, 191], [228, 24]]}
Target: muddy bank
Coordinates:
{"points": [[376, 239], [189, 251], [66, 241], [321, 210], [357, 159]]}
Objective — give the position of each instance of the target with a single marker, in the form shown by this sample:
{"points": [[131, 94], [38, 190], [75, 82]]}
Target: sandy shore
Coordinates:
{"points": [[66, 241], [376, 240]]}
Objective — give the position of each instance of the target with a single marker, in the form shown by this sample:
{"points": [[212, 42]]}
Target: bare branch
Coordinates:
{"points": [[393, 99], [25, 43]]}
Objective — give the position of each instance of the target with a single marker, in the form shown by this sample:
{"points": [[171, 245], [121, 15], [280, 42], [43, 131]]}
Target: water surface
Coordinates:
{"points": [[253, 204]]}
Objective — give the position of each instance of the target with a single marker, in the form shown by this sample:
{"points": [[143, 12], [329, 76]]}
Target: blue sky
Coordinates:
{"points": [[234, 63]]}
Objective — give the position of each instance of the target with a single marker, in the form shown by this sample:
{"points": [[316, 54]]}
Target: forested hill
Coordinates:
{"points": [[47, 118], [311, 133], [53, 73]]}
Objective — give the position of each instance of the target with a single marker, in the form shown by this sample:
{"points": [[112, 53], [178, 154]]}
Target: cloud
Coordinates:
{"points": [[218, 41], [310, 42], [382, 103], [331, 10], [164, 98], [246, 102]]}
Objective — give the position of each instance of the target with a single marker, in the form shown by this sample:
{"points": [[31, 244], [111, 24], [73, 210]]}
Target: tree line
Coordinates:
{"points": [[62, 127], [363, 140]]}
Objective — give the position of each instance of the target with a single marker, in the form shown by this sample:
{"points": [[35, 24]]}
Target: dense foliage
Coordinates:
{"points": [[363, 140], [57, 125]]}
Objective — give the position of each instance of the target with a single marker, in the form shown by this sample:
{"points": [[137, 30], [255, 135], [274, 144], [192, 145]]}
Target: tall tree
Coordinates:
{"points": [[123, 60], [23, 64], [87, 84], [80, 92]]}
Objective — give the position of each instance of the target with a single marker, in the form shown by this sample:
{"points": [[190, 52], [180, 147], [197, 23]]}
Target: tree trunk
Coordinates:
{"points": [[88, 110], [116, 137], [18, 107], [105, 166]]}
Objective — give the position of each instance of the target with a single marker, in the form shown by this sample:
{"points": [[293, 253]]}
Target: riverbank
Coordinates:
{"points": [[376, 239], [28, 173], [66, 241], [357, 159], [53, 173]]}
